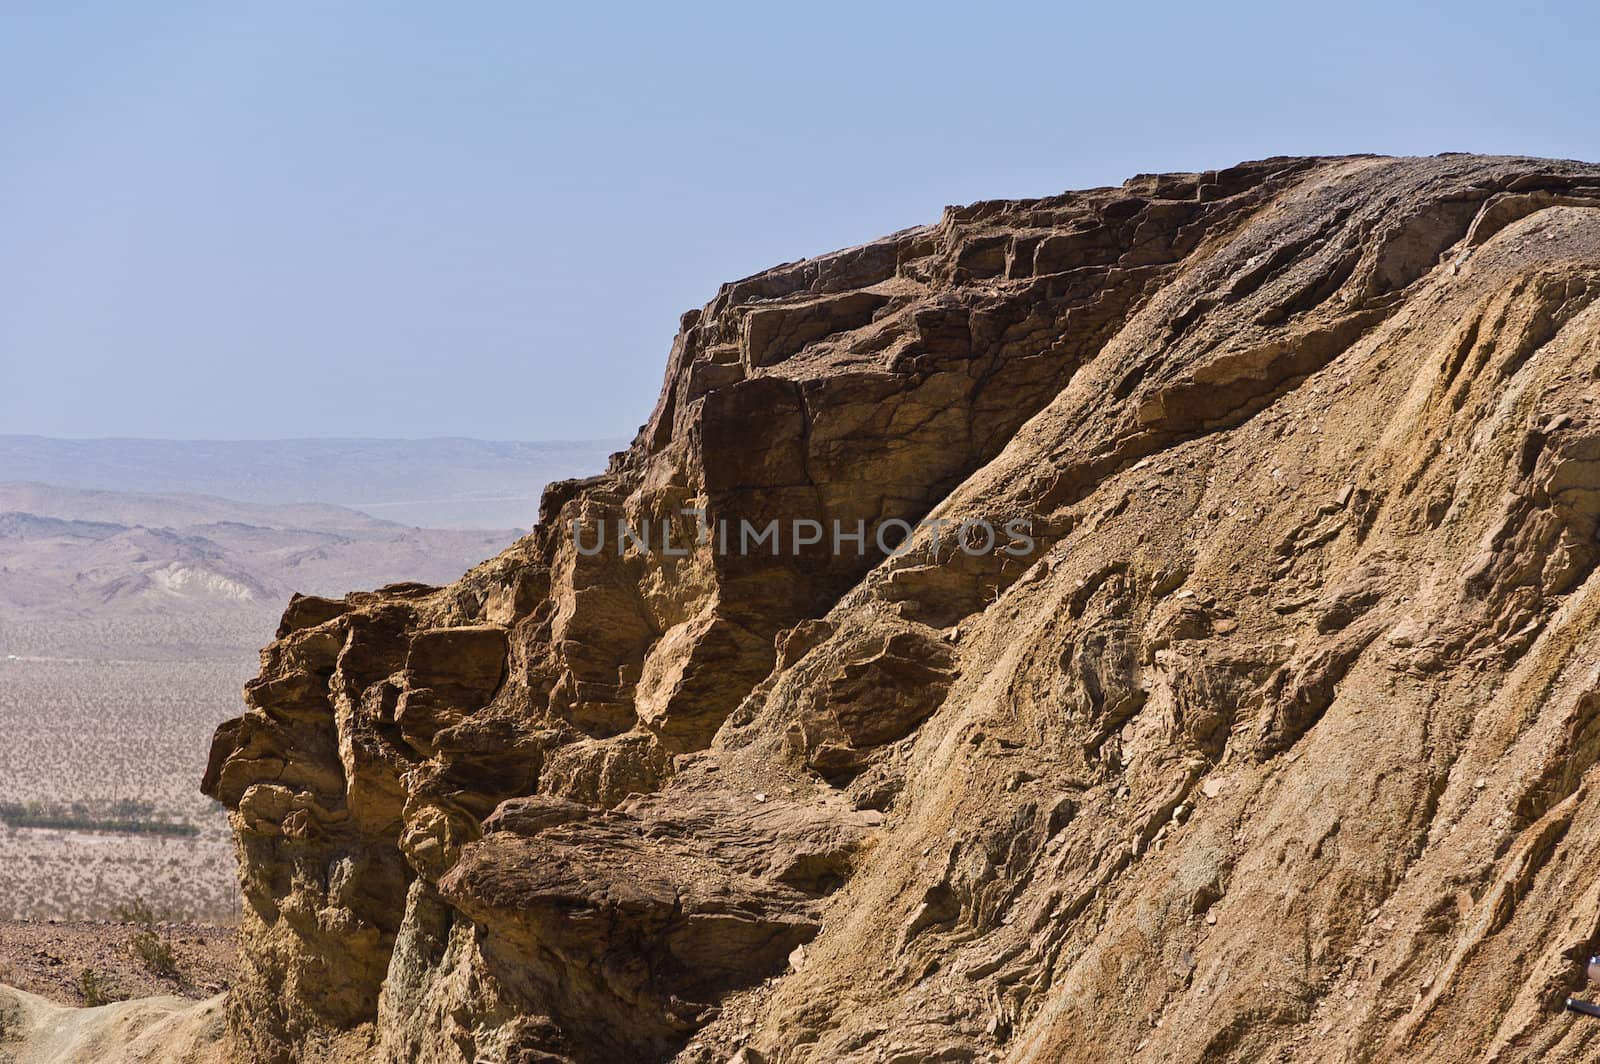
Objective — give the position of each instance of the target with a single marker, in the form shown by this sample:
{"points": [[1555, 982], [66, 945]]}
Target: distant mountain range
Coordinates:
{"points": [[71, 553], [438, 483], [176, 509]]}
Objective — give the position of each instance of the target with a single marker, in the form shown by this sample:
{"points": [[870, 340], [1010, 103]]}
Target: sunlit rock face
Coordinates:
{"points": [[1277, 733]]}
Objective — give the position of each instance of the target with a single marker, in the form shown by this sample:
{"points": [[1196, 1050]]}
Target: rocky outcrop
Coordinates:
{"points": [[1267, 726]]}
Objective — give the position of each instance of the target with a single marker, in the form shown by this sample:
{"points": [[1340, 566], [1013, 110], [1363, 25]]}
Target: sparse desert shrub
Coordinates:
{"points": [[138, 911], [154, 952], [94, 989], [148, 944]]}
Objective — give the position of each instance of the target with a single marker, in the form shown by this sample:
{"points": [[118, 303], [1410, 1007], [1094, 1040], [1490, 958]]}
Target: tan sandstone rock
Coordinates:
{"points": [[1280, 744]]}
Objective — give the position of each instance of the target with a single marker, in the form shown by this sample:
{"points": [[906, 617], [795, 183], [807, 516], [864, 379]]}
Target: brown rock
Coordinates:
{"points": [[586, 806]]}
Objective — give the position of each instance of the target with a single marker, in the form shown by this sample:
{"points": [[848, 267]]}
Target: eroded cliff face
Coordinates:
{"points": [[1279, 745]]}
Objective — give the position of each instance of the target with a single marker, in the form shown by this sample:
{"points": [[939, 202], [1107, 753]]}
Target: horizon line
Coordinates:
{"points": [[608, 440]]}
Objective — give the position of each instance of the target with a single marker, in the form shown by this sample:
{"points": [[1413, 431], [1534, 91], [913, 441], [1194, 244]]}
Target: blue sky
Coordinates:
{"points": [[255, 220]]}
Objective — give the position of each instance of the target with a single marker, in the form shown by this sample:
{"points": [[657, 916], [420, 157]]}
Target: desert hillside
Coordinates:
{"points": [[1276, 743]]}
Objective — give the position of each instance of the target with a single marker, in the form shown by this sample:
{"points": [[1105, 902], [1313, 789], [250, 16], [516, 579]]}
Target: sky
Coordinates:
{"points": [[265, 220]]}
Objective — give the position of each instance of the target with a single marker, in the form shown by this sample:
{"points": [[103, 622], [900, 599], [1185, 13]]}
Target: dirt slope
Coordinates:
{"points": [[1279, 744], [158, 1030]]}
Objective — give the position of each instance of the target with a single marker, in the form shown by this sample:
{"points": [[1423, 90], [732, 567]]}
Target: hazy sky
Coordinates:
{"points": [[403, 219]]}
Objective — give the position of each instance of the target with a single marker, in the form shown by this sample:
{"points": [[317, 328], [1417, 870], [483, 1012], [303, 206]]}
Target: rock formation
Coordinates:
{"points": [[1278, 744]]}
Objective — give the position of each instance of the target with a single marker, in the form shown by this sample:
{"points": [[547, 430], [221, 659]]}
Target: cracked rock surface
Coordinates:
{"points": [[1279, 745]]}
